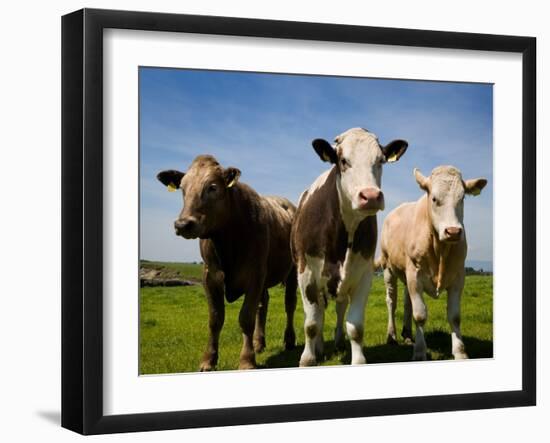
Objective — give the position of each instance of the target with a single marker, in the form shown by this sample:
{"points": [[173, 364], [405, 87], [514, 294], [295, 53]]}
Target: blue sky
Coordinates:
{"points": [[264, 123]]}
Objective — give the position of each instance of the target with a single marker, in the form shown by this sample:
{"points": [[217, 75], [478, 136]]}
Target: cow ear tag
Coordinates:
{"points": [[392, 158], [236, 174], [171, 187], [476, 191]]}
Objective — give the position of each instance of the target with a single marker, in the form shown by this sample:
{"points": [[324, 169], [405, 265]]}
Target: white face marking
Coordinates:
{"points": [[446, 200], [361, 162], [361, 159]]}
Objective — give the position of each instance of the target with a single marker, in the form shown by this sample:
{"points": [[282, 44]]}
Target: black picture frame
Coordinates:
{"points": [[82, 218]]}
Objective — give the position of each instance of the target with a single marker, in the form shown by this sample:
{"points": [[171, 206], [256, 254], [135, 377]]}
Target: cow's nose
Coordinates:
{"points": [[185, 225], [453, 232], [370, 198]]}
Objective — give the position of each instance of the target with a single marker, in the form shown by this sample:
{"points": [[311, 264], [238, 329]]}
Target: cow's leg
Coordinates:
{"points": [[420, 315], [339, 338], [454, 294], [261, 316], [290, 308], [247, 317], [406, 332], [319, 340], [313, 311], [214, 289], [355, 320], [390, 280]]}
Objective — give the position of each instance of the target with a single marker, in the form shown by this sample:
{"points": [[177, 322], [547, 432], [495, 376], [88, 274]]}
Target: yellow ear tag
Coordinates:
{"points": [[171, 187], [232, 183], [326, 158], [392, 159], [476, 191]]}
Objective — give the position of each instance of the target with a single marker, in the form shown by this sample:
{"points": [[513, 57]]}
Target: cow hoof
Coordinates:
{"points": [[290, 339], [420, 356], [460, 356], [339, 339], [244, 365], [407, 335], [206, 367], [358, 359], [259, 345], [391, 340], [339, 342], [308, 361], [290, 346]]}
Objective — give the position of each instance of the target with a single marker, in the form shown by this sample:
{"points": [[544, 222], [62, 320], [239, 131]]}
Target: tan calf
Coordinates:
{"points": [[424, 245]]}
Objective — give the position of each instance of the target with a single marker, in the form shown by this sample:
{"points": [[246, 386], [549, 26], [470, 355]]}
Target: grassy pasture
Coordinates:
{"points": [[174, 331]]}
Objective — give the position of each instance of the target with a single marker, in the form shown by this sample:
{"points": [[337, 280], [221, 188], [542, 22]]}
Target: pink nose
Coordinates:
{"points": [[453, 233], [371, 198]]}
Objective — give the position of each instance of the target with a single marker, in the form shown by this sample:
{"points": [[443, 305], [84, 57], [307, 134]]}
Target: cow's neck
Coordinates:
{"points": [[235, 227], [440, 253], [350, 218]]}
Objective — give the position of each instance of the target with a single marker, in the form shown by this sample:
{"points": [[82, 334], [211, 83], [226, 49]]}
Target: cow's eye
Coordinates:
{"points": [[344, 163], [212, 188], [435, 200]]}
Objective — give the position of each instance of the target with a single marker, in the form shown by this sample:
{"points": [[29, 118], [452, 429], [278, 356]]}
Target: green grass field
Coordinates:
{"points": [[173, 327]]}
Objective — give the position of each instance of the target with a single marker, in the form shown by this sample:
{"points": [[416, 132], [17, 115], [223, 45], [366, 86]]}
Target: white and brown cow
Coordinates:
{"points": [[334, 236], [424, 245], [245, 245]]}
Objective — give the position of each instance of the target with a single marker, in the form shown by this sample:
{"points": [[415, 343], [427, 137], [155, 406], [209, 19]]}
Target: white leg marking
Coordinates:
{"points": [[313, 303], [319, 340], [356, 317]]}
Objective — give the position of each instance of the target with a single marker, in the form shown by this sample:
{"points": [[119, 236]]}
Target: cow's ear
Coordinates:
{"points": [[170, 178], [423, 182], [474, 185], [325, 150], [394, 150], [231, 176]]}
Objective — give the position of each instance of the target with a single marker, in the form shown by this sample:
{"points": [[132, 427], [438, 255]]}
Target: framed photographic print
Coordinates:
{"points": [[266, 221]]}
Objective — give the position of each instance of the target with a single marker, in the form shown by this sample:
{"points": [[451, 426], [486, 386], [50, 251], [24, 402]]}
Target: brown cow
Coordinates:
{"points": [[424, 245], [245, 245]]}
